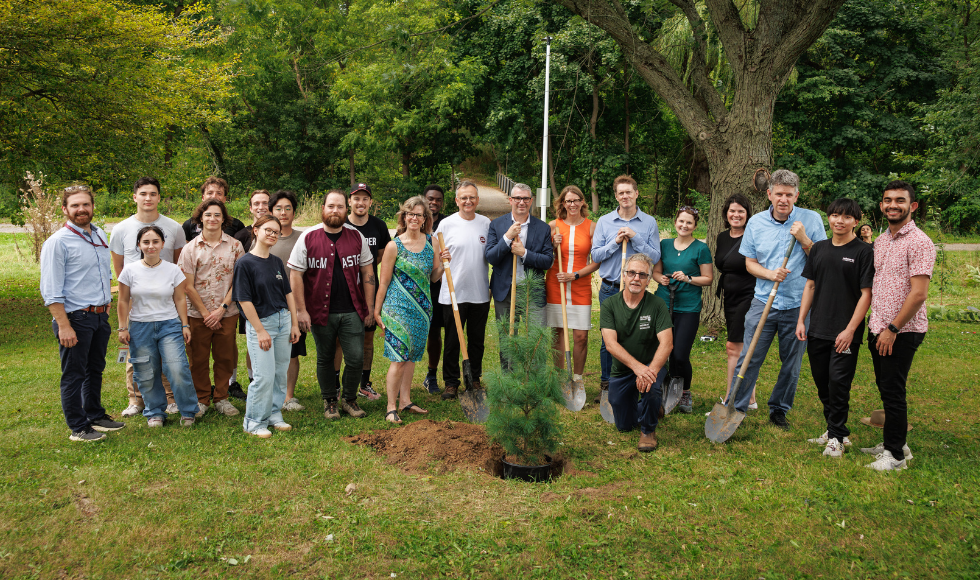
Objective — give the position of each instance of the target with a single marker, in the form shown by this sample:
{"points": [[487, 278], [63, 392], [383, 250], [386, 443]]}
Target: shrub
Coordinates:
{"points": [[42, 212]]}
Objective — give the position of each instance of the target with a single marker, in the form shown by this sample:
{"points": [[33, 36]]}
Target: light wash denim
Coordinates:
{"points": [[267, 391], [157, 348], [791, 349], [605, 359]]}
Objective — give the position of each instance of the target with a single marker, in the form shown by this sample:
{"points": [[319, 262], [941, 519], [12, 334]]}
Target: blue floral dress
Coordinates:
{"points": [[407, 310]]}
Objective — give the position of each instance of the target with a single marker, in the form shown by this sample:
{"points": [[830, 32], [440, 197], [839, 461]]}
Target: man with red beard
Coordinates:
{"points": [[334, 285], [75, 285]]}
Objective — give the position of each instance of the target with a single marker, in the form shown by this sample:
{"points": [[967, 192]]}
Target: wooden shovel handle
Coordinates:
{"points": [[452, 297]]}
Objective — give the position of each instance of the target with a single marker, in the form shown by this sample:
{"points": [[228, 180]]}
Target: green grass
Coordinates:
{"points": [[182, 503]]}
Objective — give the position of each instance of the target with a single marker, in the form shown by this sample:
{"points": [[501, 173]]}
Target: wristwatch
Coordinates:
{"points": [[576, 275], [225, 306], [892, 328]]}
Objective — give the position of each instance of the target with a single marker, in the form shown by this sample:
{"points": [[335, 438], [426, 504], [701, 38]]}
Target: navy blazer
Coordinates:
{"points": [[540, 253]]}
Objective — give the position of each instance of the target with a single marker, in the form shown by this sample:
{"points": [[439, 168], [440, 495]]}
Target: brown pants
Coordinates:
{"points": [[135, 398], [222, 346]]}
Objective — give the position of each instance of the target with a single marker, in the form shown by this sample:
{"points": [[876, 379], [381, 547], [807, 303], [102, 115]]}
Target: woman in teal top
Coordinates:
{"points": [[685, 267]]}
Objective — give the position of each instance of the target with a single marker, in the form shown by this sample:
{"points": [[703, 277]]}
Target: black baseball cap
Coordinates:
{"points": [[361, 187]]}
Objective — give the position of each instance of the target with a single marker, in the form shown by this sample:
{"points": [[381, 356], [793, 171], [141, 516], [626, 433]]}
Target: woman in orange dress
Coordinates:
{"points": [[571, 234]]}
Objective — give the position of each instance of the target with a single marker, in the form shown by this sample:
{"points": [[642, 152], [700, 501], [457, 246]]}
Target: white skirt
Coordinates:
{"points": [[579, 317]]}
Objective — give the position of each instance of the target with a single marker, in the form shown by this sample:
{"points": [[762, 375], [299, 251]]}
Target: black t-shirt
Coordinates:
{"points": [[262, 281], [436, 287], [192, 230], [340, 301], [839, 273], [375, 231], [735, 278], [245, 237]]}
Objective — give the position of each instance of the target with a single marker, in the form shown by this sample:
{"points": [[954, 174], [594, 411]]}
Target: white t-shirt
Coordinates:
{"points": [[151, 290], [297, 257], [467, 244], [122, 239]]}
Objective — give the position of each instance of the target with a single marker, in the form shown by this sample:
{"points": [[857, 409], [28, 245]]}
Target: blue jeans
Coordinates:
{"points": [[605, 359], [156, 348], [627, 411], [267, 391], [781, 323], [81, 369]]}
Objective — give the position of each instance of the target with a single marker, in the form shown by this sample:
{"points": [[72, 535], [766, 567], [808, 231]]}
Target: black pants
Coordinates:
{"points": [[892, 374], [685, 331], [474, 320], [81, 368], [833, 373]]}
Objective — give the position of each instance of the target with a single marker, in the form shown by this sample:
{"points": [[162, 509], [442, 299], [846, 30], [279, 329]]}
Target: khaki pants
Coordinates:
{"points": [[222, 346]]}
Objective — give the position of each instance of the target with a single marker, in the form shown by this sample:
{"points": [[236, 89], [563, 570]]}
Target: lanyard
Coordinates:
{"points": [[94, 245]]}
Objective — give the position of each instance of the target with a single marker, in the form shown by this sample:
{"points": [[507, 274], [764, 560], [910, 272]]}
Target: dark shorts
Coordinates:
{"points": [[437, 318], [735, 311], [241, 324], [299, 349]]}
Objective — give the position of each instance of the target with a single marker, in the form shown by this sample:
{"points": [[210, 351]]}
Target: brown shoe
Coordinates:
{"points": [[603, 386], [351, 408], [648, 442], [330, 410], [450, 392]]}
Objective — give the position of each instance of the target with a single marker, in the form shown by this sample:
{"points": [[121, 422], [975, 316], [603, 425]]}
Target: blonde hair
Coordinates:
{"points": [[560, 211], [409, 204]]}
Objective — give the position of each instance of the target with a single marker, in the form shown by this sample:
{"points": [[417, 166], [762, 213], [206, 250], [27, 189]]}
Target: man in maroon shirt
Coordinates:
{"points": [[334, 284]]}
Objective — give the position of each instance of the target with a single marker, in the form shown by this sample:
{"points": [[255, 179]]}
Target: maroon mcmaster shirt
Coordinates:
{"points": [[314, 255]]}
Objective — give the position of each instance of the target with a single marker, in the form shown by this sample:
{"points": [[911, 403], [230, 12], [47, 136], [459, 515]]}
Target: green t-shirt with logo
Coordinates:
{"points": [[636, 328]]}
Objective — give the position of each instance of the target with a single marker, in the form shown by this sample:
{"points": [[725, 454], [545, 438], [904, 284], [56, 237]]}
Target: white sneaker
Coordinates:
{"points": [[753, 406], [225, 407], [173, 409], [824, 439], [885, 462], [834, 448], [880, 448], [154, 422], [201, 410], [292, 405], [262, 433], [282, 426], [132, 410]]}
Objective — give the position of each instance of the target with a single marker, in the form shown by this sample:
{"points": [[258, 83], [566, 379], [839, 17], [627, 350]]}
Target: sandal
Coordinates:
{"points": [[413, 408], [397, 420]]}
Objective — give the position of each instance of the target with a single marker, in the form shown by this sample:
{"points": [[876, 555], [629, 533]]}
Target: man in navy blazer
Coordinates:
{"points": [[521, 234]]}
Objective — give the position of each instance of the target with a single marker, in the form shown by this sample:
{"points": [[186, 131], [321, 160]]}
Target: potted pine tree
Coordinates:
{"points": [[525, 400]]}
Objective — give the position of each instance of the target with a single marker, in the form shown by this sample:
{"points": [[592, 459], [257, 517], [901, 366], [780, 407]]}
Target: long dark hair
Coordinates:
{"points": [[198, 217], [143, 231]]}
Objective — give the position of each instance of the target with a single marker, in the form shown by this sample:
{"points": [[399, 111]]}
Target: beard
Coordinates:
{"points": [[900, 218], [332, 220], [80, 218]]}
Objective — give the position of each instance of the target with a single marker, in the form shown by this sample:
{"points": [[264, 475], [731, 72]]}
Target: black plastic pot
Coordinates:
{"points": [[532, 473]]}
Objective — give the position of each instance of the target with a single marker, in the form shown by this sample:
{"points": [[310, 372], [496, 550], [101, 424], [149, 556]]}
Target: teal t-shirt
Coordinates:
{"points": [[636, 328], [687, 297]]}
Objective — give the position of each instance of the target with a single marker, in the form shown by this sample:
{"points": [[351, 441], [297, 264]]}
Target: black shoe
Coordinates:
{"points": [[87, 436], [106, 424], [235, 390], [431, 385], [778, 418]]}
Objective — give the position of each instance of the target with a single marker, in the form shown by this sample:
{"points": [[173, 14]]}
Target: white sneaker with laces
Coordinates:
{"points": [[825, 438], [154, 422], [292, 405], [225, 407], [132, 411], [261, 433], [201, 410], [834, 448], [173, 409], [282, 426], [885, 462], [879, 448]]}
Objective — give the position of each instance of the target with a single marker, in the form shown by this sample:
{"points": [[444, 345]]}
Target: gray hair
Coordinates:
{"points": [[785, 177], [467, 183], [522, 187], [641, 257]]}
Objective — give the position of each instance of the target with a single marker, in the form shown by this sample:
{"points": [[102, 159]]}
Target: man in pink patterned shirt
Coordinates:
{"points": [[904, 257]]}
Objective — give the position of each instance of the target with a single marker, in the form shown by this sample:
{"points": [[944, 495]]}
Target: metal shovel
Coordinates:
{"points": [[473, 400], [573, 393], [605, 409], [725, 419], [675, 387]]}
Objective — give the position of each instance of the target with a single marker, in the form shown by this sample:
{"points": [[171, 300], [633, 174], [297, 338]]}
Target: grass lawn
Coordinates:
{"points": [[212, 502]]}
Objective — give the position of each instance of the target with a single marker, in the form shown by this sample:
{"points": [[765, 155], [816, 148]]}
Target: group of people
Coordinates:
{"points": [[183, 288]]}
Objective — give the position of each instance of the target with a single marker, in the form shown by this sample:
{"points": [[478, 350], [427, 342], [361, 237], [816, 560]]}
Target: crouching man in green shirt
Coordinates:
{"points": [[637, 330]]}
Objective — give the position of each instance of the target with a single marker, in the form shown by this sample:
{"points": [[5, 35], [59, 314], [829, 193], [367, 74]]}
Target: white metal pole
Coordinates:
{"points": [[543, 191]]}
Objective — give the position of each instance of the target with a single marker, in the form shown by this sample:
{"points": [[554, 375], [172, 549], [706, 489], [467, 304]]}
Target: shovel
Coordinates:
{"points": [[725, 419], [573, 393], [605, 409], [675, 388], [473, 400]]}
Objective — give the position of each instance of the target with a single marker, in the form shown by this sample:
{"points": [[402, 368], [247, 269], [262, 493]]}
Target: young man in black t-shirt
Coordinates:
{"points": [[435, 198], [375, 231], [213, 188], [839, 272]]}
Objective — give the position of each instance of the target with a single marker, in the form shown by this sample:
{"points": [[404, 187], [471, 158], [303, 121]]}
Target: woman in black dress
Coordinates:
{"points": [[736, 282]]}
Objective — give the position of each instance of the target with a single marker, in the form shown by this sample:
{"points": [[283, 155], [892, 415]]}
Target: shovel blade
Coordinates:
{"points": [[722, 423], [672, 396], [573, 393], [605, 409]]}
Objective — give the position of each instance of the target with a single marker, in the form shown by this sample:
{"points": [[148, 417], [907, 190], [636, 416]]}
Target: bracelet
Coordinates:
{"points": [[123, 330], [186, 326]]}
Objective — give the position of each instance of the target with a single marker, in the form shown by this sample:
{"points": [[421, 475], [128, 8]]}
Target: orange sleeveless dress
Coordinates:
{"points": [[576, 247]]}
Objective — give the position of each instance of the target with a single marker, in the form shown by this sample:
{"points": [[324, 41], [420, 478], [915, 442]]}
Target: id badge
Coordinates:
{"points": [[123, 355]]}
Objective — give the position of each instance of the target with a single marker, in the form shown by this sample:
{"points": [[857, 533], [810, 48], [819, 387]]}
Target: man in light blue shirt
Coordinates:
{"points": [[76, 288], [767, 235], [640, 232]]}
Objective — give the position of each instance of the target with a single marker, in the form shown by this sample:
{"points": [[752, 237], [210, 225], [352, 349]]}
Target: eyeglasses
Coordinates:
{"points": [[688, 209], [418, 216], [282, 209], [572, 201], [640, 275], [273, 233], [521, 199]]}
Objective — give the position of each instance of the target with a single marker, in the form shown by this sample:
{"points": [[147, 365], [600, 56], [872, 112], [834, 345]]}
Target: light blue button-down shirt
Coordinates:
{"points": [[766, 240], [609, 255], [75, 268]]}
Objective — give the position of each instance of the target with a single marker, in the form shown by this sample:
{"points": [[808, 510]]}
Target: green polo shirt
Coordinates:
{"points": [[636, 328]]}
